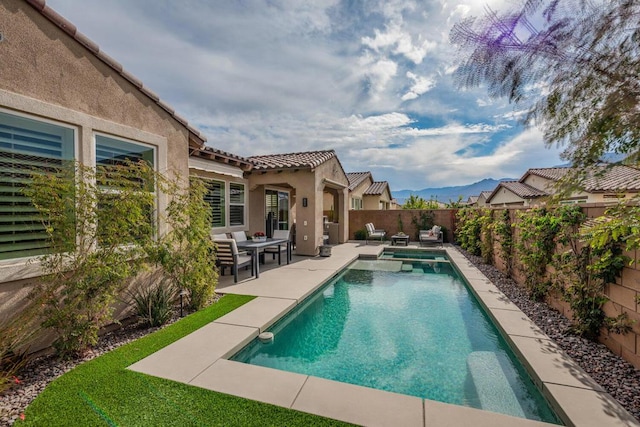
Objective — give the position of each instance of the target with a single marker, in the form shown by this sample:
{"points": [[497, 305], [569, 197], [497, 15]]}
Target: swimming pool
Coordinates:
{"points": [[410, 327]]}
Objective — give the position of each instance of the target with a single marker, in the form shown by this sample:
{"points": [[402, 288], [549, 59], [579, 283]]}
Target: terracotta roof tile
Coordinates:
{"points": [[521, 189], [604, 178], [218, 155], [376, 188], [355, 178], [307, 159], [72, 31]]}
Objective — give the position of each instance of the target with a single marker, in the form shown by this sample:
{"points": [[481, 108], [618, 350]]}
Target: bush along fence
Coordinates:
{"points": [[580, 260]]}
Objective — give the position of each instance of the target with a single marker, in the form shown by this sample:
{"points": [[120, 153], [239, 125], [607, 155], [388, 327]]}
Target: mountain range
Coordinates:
{"points": [[446, 194]]}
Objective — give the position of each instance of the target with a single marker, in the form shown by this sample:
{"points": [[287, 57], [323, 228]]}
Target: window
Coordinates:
{"points": [[26, 145], [112, 152], [215, 198], [236, 204], [356, 204]]}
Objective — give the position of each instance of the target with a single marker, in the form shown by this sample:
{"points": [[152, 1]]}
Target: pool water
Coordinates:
{"points": [[405, 327]]}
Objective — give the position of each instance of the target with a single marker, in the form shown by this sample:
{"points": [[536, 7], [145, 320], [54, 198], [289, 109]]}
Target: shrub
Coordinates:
{"points": [[92, 218], [360, 234], [16, 334], [154, 304]]}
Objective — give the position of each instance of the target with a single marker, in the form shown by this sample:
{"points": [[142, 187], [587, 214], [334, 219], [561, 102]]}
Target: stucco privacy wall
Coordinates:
{"points": [[45, 74], [622, 295], [389, 220]]}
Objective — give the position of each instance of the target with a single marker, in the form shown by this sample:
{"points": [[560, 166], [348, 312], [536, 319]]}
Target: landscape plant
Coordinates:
{"points": [[98, 223], [186, 251], [504, 231], [485, 216], [154, 304], [582, 271], [17, 332], [423, 221], [469, 229], [536, 230]]}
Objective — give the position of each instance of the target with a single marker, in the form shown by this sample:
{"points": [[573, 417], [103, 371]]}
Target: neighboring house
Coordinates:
{"points": [[62, 98], [299, 188], [514, 193], [482, 198], [608, 183], [359, 182], [472, 201], [377, 196]]}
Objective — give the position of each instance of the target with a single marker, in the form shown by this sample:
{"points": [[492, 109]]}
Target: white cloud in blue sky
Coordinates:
{"points": [[370, 79]]}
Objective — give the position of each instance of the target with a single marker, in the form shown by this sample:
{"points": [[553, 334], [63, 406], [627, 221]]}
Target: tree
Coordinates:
{"points": [[417, 202], [98, 223], [572, 64]]}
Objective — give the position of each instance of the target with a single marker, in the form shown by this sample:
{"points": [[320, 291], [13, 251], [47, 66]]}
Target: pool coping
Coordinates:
{"points": [[201, 358]]}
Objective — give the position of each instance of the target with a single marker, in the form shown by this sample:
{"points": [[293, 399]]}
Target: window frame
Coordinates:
{"points": [[243, 204], [155, 192], [224, 213], [75, 153]]}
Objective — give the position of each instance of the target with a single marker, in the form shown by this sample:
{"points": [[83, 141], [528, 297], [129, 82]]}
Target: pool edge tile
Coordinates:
{"points": [[583, 407], [184, 359], [261, 313], [359, 405], [448, 415], [251, 382]]}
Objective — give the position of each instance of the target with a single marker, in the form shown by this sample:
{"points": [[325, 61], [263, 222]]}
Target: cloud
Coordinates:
{"points": [[369, 79]]}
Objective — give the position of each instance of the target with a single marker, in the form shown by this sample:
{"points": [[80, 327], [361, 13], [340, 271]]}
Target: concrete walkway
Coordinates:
{"points": [[200, 359]]}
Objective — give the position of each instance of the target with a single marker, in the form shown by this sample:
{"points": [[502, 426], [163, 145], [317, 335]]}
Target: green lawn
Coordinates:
{"points": [[102, 392]]}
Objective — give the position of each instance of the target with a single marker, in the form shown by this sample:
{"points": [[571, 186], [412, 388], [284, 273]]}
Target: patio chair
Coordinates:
{"points": [[433, 235], [372, 233], [273, 250], [227, 256]]}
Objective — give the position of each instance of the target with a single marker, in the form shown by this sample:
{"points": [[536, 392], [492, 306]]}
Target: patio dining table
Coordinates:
{"points": [[254, 247]]}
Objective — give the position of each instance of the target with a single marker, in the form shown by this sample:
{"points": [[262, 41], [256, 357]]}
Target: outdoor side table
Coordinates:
{"points": [[396, 239]]}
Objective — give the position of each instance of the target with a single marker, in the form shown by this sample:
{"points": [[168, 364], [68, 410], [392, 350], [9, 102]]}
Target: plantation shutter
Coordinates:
{"points": [[26, 146], [215, 198], [236, 204]]}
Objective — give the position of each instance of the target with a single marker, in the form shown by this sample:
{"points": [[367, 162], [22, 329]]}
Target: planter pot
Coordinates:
{"points": [[325, 250]]}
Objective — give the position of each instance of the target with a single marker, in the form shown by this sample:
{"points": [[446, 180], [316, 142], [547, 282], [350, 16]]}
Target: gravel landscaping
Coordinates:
{"points": [[614, 374]]}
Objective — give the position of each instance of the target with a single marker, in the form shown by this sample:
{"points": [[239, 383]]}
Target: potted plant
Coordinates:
{"points": [[259, 236]]}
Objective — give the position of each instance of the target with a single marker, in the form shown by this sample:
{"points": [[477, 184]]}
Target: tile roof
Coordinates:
{"points": [[485, 194], [217, 155], [519, 189], [356, 178], [376, 188], [72, 31], [605, 178], [307, 159]]}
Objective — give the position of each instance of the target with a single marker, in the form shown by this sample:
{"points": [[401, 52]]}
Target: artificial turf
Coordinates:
{"points": [[102, 392]]}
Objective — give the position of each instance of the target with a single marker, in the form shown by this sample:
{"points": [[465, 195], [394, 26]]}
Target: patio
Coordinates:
{"points": [[575, 396]]}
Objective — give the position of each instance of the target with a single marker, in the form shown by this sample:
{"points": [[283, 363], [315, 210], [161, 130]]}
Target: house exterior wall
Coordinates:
{"points": [[46, 75], [504, 197], [210, 175], [357, 193]]}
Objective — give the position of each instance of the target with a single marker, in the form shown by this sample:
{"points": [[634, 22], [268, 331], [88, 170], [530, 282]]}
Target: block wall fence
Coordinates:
{"points": [[622, 295]]}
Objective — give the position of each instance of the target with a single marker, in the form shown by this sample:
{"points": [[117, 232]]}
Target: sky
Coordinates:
{"points": [[371, 79]]}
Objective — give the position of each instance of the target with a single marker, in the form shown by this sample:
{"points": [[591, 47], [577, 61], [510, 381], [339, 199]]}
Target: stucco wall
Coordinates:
{"points": [[389, 221], [47, 75], [504, 196]]}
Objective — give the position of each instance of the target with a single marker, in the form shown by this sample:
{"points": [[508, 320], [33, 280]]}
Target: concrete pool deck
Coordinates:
{"points": [[200, 359]]}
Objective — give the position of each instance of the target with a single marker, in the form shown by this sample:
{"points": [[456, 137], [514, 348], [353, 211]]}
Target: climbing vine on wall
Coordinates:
{"points": [[504, 231], [536, 228], [468, 230]]}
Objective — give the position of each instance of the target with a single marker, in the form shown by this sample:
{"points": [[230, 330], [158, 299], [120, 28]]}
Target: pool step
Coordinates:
{"points": [[492, 385]]}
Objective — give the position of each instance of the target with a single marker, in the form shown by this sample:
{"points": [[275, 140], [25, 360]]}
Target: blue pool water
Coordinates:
{"points": [[406, 327]]}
